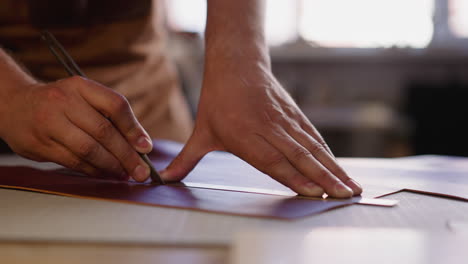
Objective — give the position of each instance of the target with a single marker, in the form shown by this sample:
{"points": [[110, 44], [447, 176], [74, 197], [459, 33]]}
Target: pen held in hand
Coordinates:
{"points": [[72, 68]]}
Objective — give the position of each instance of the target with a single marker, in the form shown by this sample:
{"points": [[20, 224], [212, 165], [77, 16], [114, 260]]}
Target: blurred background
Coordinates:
{"points": [[383, 78]]}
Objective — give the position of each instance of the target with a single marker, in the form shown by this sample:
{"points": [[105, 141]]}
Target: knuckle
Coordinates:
{"points": [[129, 158], [277, 118], [120, 104], [88, 150], [324, 144], [104, 129], [273, 115], [76, 164], [321, 141], [300, 153], [293, 179], [307, 126], [55, 94], [323, 174], [341, 173], [273, 160], [295, 127], [133, 130], [317, 147]]}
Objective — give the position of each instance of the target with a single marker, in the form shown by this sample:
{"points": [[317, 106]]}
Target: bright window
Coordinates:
{"points": [[459, 17], [367, 23], [281, 21], [332, 23], [187, 15]]}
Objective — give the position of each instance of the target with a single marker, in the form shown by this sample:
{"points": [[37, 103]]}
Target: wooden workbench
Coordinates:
{"points": [[54, 229]]}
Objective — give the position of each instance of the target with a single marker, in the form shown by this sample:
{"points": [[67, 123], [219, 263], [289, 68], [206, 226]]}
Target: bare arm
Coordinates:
{"points": [[11, 76], [244, 110], [235, 33], [65, 122]]}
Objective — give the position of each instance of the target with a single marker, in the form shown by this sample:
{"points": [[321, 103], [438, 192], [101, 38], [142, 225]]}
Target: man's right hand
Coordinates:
{"points": [[79, 124]]}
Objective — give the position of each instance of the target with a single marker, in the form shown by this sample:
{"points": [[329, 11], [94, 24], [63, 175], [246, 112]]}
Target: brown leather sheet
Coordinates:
{"points": [[175, 196], [221, 183]]}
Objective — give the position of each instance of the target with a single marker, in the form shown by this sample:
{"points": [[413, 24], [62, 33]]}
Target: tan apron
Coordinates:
{"points": [[118, 43]]}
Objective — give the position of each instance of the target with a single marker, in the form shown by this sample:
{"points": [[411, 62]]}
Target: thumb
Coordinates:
{"points": [[193, 151]]}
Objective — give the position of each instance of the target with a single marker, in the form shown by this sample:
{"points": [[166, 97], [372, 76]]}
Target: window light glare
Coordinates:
{"points": [[458, 19], [367, 23]]}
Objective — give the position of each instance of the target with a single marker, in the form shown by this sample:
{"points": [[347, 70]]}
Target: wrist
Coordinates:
{"points": [[13, 93], [252, 76], [239, 51], [242, 60]]}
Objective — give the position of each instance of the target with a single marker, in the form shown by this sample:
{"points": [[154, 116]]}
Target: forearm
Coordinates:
{"points": [[11, 78], [11, 74], [235, 32]]}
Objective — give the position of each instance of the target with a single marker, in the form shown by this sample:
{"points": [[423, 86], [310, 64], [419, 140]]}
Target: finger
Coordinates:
{"points": [[105, 133], [270, 161], [116, 107], [323, 156], [303, 160], [61, 155], [188, 158], [86, 148], [312, 131]]}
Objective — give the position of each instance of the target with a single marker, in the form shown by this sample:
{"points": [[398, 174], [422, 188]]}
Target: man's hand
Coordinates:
{"points": [[246, 111], [77, 123]]}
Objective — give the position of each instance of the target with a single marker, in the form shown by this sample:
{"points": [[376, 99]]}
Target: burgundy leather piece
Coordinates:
{"points": [[236, 187], [174, 196]]}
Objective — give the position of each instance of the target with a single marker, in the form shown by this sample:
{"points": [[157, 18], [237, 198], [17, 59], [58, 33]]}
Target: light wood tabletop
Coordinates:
{"points": [[43, 228], [90, 253]]}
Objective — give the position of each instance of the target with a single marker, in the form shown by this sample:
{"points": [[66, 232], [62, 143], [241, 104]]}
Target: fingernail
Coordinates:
{"points": [[141, 173], [342, 191], [313, 189], [143, 142], [356, 187]]}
